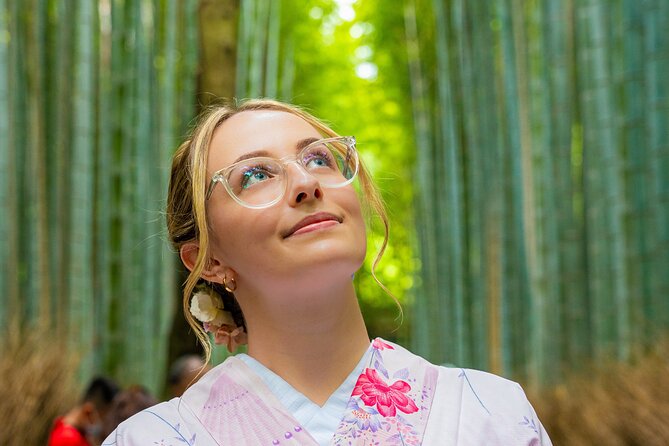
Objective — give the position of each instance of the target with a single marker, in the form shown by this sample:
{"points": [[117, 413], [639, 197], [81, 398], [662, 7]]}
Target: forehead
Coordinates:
{"points": [[275, 132]]}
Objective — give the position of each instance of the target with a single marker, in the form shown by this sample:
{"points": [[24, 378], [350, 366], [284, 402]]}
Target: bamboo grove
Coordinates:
{"points": [[93, 99], [542, 130], [540, 184]]}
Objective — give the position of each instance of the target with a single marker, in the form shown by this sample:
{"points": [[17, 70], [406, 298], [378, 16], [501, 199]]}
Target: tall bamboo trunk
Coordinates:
{"points": [[79, 283], [6, 154]]}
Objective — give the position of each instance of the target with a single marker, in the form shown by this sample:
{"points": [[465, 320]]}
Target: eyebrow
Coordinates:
{"points": [[301, 144]]}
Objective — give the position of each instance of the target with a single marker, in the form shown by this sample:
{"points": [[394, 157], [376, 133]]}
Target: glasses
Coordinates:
{"points": [[261, 182]]}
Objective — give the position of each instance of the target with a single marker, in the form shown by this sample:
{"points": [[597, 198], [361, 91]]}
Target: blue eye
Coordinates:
{"points": [[317, 158], [254, 175]]}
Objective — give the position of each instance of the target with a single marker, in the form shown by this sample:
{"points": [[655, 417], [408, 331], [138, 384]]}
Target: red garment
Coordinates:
{"points": [[66, 435]]}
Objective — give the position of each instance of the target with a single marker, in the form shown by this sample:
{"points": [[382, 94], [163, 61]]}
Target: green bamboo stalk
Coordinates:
{"points": [[546, 297], [29, 215], [565, 272], [167, 104], [33, 205], [600, 314], [6, 156], [472, 262], [663, 129], [258, 47], [565, 265], [443, 264], [652, 305], [288, 69], [80, 286], [246, 9], [516, 274], [449, 146], [140, 326], [189, 50], [102, 268], [656, 51], [62, 137], [18, 279], [128, 209], [49, 151], [423, 341], [611, 321], [629, 73], [273, 39], [636, 140], [113, 360], [485, 331], [615, 179], [497, 356]]}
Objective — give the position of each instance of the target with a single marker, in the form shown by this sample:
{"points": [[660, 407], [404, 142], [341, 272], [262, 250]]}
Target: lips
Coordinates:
{"points": [[313, 222]]}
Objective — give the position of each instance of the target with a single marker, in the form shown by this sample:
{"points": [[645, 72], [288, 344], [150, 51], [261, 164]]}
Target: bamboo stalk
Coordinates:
{"points": [[424, 341], [559, 220], [636, 141], [190, 54], [17, 136], [448, 145], [611, 327], [498, 331], [167, 103], [117, 79], [258, 48], [102, 270], [80, 287], [569, 285], [246, 10], [485, 329], [288, 69], [6, 157], [516, 271], [273, 39], [656, 52], [63, 128], [546, 311], [37, 298], [128, 191]]}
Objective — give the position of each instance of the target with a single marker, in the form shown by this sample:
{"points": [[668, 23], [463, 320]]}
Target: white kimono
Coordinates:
{"points": [[398, 399]]}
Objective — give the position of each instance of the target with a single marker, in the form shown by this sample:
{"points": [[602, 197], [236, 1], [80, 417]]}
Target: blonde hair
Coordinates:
{"points": [[186, 212]]}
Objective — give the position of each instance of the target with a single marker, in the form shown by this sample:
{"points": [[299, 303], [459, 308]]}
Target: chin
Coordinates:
{"points": [[333, 262]]}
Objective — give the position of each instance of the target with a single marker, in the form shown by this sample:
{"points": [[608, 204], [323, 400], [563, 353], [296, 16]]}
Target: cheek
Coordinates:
{"points": [[235, 235], [355, 211]]}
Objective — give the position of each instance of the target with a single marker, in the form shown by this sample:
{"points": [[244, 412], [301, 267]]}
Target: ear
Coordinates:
{"points": [[213, 269]]}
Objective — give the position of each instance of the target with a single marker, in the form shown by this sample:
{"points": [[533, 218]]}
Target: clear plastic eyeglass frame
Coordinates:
{"points": [[351, 167]]}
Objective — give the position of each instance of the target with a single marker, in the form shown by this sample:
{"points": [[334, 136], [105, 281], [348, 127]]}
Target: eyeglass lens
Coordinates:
{"points": [[258, 181]]}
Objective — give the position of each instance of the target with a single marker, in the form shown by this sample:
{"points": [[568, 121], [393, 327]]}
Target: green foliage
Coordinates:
{"points": [[349, 85], [332, 59]]}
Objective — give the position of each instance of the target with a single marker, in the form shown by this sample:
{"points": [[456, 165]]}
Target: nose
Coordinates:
{"points": [[302, 186]]}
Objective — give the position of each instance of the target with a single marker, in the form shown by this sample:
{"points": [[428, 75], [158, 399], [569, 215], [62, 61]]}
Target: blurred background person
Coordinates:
{"points": [[185, 371], [126, 403], [82, 425]]}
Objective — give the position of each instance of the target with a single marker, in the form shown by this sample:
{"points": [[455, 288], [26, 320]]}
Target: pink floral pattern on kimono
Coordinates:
{"points": [[379, 344], [384, 408], [374, 391]]}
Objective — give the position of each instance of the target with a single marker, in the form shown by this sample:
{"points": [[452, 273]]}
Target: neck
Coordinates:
{"points": [[312, 342]]}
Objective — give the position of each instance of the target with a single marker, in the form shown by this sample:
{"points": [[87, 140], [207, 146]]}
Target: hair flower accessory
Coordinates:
{"points": [[206, 306]]}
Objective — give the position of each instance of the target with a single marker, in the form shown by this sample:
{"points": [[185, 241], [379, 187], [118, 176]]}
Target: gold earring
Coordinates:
{"points": [[233, 285]]}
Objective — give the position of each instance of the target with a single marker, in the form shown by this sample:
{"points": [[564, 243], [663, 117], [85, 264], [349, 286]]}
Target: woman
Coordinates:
{"points": [[263, 211]]}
